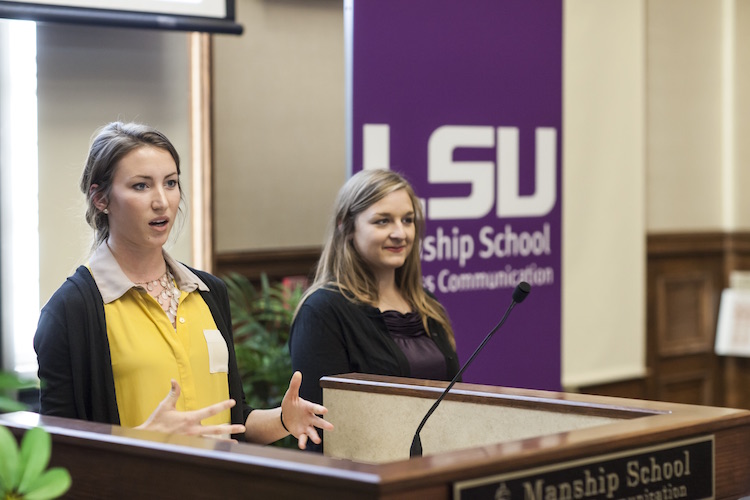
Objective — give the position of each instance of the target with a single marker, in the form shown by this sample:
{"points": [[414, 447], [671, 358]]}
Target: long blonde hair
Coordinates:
{"points": [[342, 267]]}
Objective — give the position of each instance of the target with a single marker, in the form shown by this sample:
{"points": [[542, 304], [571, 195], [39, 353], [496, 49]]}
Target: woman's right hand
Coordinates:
{"points": [[167, 418]]}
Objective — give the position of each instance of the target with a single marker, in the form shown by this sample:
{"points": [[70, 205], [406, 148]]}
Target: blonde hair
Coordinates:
{"points": [[342, 267]]}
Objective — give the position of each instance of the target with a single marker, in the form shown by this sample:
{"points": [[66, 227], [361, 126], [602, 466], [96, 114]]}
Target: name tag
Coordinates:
{"points": [[218, 354]]}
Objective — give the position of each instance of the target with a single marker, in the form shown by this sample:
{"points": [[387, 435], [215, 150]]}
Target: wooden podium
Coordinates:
{"points": [[481, 442]]}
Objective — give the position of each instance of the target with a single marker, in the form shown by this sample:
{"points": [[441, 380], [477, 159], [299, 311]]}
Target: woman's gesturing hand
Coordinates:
{"points": [[300, 417], [167, 418]]}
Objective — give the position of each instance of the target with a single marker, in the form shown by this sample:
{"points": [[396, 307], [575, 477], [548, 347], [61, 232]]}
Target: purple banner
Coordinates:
{"points": [[464, 97]]}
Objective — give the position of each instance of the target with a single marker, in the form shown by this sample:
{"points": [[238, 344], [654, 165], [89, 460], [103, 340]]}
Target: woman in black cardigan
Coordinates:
{"points": [[134, 324], [366, 310]]}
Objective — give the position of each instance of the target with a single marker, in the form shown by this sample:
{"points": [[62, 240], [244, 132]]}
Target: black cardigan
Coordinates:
{"points": [[331, 335], [75, 368]]}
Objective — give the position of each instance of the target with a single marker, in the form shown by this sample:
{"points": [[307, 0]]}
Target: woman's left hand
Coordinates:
{"points": [[300, 417]]}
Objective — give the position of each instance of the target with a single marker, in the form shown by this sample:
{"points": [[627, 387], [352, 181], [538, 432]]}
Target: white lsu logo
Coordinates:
{"points": [[442, 169]]}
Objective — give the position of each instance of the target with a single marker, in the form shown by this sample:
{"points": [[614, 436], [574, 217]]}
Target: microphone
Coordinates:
{"points": [[519, 295]]}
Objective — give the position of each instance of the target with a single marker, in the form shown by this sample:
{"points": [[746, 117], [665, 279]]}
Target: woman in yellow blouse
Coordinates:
{"points": [[134, 322]]}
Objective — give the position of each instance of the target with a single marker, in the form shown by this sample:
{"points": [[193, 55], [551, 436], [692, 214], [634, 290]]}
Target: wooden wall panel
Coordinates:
{"points": [[686, 387], [276, 264], [686, 273], [685, 309]]}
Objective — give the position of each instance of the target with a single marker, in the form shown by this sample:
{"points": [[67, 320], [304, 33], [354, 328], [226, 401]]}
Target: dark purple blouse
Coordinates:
{"points": [[425, 359]]}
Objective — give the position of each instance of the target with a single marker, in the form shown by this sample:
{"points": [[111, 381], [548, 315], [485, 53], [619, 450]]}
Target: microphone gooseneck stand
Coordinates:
{"points": [[519, 294]]}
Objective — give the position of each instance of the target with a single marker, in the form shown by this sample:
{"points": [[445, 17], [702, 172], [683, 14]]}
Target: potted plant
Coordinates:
{"points": [[261, 319]]}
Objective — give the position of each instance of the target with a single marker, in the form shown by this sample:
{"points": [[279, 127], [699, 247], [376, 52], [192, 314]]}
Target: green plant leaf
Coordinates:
{"points": [[36, 448], [51, 484], [8, 460], [261, 320], [11, 381], [9, 404]]}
